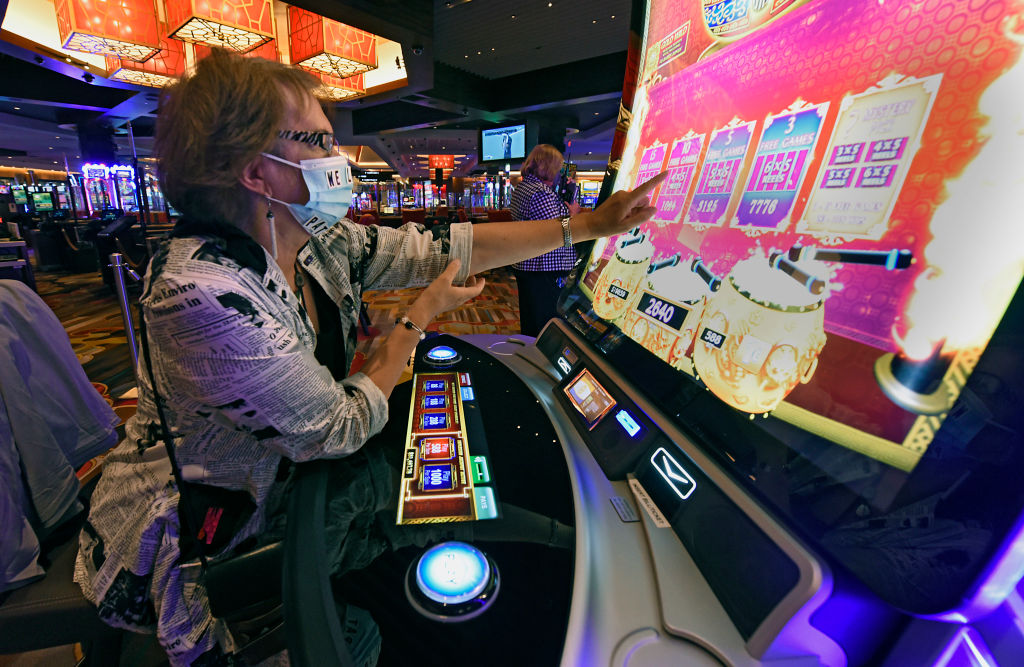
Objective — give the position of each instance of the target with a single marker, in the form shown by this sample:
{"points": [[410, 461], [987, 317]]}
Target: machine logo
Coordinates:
{"points": [[680, 480]]}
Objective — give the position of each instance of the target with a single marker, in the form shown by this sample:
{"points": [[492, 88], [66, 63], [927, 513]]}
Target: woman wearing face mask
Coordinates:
{"points": [[251, 311]]}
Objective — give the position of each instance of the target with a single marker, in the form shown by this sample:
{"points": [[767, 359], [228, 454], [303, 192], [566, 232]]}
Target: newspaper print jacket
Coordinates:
{"points": [[233, 359]]}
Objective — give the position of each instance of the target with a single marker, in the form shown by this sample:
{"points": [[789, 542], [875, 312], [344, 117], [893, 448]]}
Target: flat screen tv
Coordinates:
{"points": [[503, 143], [828, 297], [42, 201]]}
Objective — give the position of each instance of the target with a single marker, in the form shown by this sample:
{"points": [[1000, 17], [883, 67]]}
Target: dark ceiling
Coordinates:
{"points": [[557, 65]]}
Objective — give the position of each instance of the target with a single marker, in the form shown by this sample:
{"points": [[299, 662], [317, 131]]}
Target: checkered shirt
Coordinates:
{"points": [[533, 200]]}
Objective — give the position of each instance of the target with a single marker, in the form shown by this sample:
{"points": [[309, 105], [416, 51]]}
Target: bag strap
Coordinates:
{"points": [[189, 519]]}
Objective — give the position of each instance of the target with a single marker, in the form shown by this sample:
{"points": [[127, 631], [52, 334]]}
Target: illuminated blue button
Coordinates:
{"points": [[467, 394], [628, 423], [442, 356], [452, 573], [435, 420], [437, 477], [442, 353]]}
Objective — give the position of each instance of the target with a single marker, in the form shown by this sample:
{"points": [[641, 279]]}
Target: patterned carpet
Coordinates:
{"points": [[89, 312]]}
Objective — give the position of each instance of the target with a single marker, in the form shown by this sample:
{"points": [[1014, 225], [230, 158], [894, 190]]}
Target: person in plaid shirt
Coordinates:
{"points": [[540, 278]]}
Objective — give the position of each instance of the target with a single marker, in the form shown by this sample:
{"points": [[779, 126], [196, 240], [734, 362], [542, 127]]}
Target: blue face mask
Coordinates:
{"points": [[329, 181]]}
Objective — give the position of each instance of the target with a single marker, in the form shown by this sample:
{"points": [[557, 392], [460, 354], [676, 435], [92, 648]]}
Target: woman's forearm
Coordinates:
{"points": [[386, 365], [501, 243]]}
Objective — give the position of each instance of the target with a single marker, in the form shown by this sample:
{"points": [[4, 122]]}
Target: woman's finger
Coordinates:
{"points": [[644, 189], [639, 215]]}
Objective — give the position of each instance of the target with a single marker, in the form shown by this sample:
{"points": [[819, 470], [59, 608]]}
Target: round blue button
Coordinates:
{"points": [[452, 573], [442, 353]]}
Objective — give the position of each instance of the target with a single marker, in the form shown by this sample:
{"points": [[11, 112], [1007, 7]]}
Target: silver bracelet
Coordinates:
{"points": [[411, 326], [566, 233]]}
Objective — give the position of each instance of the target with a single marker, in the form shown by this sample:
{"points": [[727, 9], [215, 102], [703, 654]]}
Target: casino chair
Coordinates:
{"points": [[314, 633], [499, 215], [53, 612], [414, 215], [462, 215]]}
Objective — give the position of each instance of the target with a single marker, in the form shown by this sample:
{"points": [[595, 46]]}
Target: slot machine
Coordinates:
{"points": [[123, 177], [589, 191], [98, 187], [783, 416]]}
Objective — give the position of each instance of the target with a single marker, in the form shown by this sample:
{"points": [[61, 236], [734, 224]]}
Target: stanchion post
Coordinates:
{"points": [[119, 266]]}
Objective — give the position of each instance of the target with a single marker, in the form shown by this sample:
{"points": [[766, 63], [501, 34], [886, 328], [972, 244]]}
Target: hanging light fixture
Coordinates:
{"points": [[267, 51], [338, 89], [162, 69], [121, 28], [239, 25], [327, 46]]}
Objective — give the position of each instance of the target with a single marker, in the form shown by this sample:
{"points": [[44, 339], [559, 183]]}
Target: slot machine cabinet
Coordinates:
{"points": [[785, 469], [123, 178], [98, 187]]}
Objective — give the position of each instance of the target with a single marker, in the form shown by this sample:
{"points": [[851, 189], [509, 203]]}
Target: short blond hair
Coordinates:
{"points": [[544, 162], [213, 123]]}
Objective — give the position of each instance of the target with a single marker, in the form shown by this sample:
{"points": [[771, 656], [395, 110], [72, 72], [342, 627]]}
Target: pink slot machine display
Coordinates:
{"points": [[783, 416], [833, 274]]}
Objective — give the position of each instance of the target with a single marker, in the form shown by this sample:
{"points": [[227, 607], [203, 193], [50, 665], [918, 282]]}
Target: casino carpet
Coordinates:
{"points": [[89, 312]]}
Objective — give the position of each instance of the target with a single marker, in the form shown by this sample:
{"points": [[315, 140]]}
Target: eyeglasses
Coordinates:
{"points": [[319, 138]]}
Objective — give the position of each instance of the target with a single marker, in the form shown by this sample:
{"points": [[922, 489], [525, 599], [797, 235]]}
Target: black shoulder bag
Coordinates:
{"points": [[243, 590]]}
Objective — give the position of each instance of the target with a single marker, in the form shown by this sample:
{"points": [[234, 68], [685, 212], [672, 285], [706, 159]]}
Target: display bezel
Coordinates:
{"points": [[586, 377], [516, 156]]}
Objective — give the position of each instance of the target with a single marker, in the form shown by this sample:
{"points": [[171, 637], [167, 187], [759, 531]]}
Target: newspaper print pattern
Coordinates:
{"points": [[233, 357]]}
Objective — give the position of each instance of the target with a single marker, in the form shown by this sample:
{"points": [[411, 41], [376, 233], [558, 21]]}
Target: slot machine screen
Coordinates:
{"points": [[446, 474], [20, 197], [822, 294], [43, 201]]}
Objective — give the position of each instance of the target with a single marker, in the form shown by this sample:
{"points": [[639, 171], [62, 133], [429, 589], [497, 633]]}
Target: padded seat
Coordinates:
{"points": [[499, 215], [52, 611]]}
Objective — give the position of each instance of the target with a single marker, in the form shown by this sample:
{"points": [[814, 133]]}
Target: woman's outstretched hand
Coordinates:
{"points": [[623, 210], [441, 295]]}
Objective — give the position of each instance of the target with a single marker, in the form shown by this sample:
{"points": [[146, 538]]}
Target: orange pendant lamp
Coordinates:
{"points": [[162, 69], [121, 28], [239, 25], [268, 51], [327, 46], [338, 89]]}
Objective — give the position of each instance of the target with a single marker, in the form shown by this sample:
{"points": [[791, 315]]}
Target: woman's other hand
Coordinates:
{"points": [[623, 210], [441, 295]]}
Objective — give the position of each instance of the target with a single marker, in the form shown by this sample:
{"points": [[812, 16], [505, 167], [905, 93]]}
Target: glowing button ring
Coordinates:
{"points": [[441, 356], [452, 582]]}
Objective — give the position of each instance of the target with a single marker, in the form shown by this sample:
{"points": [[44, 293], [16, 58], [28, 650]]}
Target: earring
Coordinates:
{"points": [[273, 230]]}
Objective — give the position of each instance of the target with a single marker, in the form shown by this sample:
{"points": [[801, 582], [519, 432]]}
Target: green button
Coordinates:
{"points": [[481, 474], [486, 506]]}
